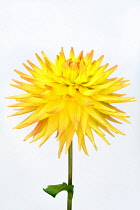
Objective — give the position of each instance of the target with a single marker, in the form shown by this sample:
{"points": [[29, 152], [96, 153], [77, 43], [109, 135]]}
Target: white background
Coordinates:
{"points": [[108, 179]]}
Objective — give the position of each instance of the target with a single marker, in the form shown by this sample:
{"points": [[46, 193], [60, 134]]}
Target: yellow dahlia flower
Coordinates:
{"points": [[72, 95]]}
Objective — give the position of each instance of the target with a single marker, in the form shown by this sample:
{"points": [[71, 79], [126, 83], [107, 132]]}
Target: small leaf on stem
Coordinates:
{"points": [[53, 190]]}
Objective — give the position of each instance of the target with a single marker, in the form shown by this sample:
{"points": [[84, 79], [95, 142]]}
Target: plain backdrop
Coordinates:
{"points": [[108, 179]]}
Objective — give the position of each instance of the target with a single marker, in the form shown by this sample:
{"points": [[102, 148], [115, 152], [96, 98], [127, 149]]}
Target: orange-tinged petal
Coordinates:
{"points": [[52, 126], [36, 130], [22, 74], [36, 68], [95, 65], [42, 131], [89, 56]]}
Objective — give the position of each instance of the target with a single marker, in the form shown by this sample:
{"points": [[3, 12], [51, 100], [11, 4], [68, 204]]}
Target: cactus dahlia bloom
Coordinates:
{"points": [[72, 95]]}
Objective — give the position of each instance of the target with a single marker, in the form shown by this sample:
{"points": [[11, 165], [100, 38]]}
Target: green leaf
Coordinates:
{"points": [[53, 190]]}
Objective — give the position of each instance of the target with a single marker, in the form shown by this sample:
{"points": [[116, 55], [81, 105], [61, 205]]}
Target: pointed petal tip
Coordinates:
{"points": [[59, 153], [10, 105], [72, 49], [15, 70], [59, 156], [10, 115], [10, 97], [40, 145], [14, 80], [29, 61], [12, 84], [26, 138], [15, 127], [79, 147], [66, 151], [133, 100], [121, 133], [86, 152]]}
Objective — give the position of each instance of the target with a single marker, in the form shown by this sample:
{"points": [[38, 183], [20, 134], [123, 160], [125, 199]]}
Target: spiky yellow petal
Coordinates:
{"points": [[72, 95], [90, 136]]}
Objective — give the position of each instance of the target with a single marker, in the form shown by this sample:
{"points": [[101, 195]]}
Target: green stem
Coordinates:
{"points": [[69, 199]]}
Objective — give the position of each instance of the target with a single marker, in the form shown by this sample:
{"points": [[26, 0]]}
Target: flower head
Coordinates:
{"points": [[72, 95]]}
